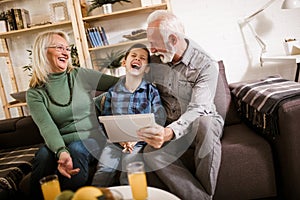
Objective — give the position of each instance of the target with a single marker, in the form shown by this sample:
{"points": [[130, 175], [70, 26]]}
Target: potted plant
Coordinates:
{"points": [[99, 3], [111, 63]]}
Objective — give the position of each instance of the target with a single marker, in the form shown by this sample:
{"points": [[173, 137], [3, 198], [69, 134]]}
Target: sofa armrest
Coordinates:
{"points": [[18, 132], [287, 148], [286, 144]]}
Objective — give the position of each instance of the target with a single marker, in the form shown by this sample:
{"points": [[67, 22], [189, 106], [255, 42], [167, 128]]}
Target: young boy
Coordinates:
{"points": [[131, 95]]}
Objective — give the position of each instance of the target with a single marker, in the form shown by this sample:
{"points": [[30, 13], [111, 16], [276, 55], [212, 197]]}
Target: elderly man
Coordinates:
{"points": [[186, 77]]}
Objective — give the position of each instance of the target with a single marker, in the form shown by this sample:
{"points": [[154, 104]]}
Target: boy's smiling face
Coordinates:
{"points": [[136, 62]]}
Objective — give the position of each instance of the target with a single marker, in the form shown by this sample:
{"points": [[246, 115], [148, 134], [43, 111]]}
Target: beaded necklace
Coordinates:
{"points": [[70, 90]]}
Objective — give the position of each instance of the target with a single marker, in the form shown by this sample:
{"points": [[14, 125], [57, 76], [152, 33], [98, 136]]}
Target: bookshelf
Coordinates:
{"points": [[5, 52], [136, 13], [132, 14], [15, 33]]}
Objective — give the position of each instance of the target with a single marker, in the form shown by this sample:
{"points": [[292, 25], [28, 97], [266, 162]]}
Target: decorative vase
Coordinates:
{"points": [[83, 6], [146, 3], [107, 8]]}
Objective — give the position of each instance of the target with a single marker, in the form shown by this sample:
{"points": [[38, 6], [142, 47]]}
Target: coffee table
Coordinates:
{"points": [[153, 193]]}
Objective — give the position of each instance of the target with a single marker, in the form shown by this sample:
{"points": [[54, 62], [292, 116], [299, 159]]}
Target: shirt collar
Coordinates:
{"points": [[120, 86], [186, 56]]}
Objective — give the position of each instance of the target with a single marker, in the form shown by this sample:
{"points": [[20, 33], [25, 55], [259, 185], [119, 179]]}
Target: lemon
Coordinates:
{"points": [[87, 193], [65, 195]]}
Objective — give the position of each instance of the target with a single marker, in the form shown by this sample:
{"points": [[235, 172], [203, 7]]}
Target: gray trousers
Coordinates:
{"points": [[205, 137]]}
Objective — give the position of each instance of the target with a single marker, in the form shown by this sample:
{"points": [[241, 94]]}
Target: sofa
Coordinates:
{"points": [[253, 166]]}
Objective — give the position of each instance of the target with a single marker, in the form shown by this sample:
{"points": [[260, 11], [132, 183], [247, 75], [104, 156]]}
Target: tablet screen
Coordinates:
{"points": [[123, 128]]}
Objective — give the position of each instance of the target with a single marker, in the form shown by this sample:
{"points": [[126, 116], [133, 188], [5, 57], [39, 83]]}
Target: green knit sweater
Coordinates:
{"points": [[60, 125]]}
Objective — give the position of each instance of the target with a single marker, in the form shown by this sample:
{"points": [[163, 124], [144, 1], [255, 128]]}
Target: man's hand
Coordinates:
{"points": [[65, 165], [155, 136]]}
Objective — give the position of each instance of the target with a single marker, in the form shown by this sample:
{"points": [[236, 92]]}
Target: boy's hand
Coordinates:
{"points": [[128, 146]]}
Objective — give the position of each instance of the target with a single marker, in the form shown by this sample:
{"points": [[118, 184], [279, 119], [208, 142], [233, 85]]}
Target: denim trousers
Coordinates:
{"points": [[45, 163], [112, 161]]}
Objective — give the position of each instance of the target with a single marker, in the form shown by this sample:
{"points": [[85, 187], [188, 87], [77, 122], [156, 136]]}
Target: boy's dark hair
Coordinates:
{"points": [[139, 46]]}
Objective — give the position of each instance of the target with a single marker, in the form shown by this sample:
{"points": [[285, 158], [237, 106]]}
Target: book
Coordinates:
{"points": [[18, 18], [11, 20], [92, 36], [26, 18], [96, 42], [89, 38], [98, 37], [103, 35]]}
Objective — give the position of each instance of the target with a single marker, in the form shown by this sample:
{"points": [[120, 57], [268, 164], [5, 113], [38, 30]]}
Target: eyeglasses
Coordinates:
{"points": [[61, 48]]}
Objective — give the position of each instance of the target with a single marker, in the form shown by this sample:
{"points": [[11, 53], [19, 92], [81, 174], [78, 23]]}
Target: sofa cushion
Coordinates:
{"points": [[20, 131], [222, 99], [8, 125], [247, 166]]}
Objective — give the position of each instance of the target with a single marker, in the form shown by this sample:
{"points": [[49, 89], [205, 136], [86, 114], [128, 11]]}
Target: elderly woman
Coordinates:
{"points": [[61, 104]]}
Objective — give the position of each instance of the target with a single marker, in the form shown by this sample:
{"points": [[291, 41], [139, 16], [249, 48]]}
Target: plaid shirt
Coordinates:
{"points": [[145, 99]]}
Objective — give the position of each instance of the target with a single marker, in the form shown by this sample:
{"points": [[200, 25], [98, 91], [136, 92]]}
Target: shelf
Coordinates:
{"points": [[15, 33], [122, 13], [3, 54], [14, 104], [118, 44], [128, 12]]}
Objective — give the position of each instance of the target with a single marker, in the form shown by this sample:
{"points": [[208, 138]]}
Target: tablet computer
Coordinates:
{"points": [[123, 128]]}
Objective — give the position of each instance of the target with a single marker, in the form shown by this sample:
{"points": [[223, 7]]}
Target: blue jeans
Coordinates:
{"points": [[45, 163], [113, 160]]}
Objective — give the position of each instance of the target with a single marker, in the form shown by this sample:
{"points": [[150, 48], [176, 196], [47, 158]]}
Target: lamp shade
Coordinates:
{"points": [[289, 4]]}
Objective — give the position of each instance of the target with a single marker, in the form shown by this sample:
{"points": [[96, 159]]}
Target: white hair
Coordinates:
{"points": [[168, 23]]}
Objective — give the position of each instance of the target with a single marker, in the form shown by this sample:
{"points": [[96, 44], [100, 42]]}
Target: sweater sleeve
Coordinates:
{"points": [[43, 120], [97, 80]]}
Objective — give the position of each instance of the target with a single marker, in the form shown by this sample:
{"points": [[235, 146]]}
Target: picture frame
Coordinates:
{"points": [[3, 26], [59, 12]]}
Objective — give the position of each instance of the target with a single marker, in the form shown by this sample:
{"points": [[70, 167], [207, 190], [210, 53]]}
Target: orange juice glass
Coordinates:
{"points": [[137, 180], [50, 187]]}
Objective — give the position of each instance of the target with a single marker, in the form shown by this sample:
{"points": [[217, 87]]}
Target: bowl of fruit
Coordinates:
{"points": [[90, 193]]}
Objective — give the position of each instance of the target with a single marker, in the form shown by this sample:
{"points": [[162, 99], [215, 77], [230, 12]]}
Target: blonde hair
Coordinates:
{"points": [[40, 64], [168, 23]]}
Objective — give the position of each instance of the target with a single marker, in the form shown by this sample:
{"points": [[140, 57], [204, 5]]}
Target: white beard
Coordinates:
{"points": [[167, 56]]}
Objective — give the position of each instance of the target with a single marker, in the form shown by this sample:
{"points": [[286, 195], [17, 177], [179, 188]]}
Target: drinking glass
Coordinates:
{"points": [[137, 180], [50, 187]]}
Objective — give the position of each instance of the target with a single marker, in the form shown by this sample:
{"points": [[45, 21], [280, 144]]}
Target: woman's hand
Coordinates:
{"points": [[65, 165], [155, 136]]}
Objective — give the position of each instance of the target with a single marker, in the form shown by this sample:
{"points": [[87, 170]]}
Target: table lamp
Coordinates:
{"points": [[287, 4]]}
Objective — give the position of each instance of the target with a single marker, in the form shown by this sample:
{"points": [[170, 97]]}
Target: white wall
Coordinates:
{"points": [[214, 25]]}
